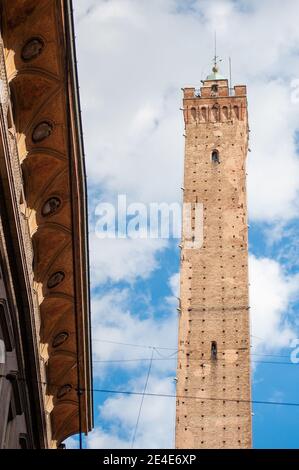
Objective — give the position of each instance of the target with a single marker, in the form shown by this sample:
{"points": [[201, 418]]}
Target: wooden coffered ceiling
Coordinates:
{"points": [[40, 63]]}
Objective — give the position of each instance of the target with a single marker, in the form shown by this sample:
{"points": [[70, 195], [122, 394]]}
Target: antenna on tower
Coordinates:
{"points": [[215, 59], [230, 74], [215, 49]]}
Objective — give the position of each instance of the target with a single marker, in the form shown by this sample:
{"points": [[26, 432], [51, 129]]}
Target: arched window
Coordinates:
{"points": [[204, 113], [213, 350], [215, 156], [236, 111], [215, 114], [225, 113], [193, 113]]}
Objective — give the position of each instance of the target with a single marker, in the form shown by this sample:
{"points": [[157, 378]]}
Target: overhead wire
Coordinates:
{"points": [[131, 344], [223, 399], [142, 399], [142, 359], [165, 395], [157, 348]]}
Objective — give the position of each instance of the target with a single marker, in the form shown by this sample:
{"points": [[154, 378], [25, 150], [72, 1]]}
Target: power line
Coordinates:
{"points": [[167, 357], [224, 399], [269, 355], [142, 399], [131, 344], [277, 362], [135, 360], [157, 348], [166, 395], [141, 359]]}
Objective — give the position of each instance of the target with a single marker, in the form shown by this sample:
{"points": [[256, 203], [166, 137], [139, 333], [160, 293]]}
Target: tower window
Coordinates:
{"points": [[215, 115], [225, 113], [215, 156], [193, 113], [236, 111], [214, 350]]}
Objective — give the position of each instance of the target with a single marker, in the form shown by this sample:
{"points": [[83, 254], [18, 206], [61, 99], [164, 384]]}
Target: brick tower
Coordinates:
{"points": [[213, 377]]}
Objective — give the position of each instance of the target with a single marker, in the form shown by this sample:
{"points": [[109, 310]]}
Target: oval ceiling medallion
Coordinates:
{"points": [[32, 49], [55, 279], [59, 339], [64, 390], [51, 206], [42, 131]]}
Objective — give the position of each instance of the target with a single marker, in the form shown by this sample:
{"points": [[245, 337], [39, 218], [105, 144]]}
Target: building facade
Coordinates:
{"points": [[45, 358], [213, 375]]}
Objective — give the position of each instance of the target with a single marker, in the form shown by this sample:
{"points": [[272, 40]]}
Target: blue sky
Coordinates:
{"points": [[133, 58], [276, 426]]}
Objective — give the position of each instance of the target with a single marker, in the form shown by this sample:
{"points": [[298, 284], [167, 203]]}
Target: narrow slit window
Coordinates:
{"points": [[215, 156], [214, 350]]}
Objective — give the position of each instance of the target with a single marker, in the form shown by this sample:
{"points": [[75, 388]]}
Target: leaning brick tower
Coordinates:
{"points": [[213, 407]]}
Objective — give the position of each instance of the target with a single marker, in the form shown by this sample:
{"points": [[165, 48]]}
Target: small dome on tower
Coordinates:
{"points": [[215, 75]]}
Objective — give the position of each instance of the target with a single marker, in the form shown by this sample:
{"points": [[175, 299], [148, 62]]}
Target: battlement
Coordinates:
{"points": [[214, 89]]}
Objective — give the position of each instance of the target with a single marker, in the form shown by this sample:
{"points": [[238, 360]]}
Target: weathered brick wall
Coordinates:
{"points": [[214, 277]]}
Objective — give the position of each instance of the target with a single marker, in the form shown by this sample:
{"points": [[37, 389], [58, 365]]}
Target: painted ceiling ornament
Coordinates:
{"points": [[42, 131], [55, 279], [64, 390], [59, 339], [32, 49], [51, 206]]}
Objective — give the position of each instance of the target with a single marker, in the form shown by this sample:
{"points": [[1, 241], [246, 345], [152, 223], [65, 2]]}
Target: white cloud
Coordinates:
{"points": [[273, 166], [271, 294], [123, 259], [101, 439], [174, 283], [156, 424], [115, 320], [142, 52], [72, 443]]}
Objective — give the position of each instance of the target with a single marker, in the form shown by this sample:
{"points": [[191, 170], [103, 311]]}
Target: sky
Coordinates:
{"points": [[134, 56]]}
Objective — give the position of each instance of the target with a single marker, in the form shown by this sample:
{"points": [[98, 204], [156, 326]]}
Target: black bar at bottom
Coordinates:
{"points": [[92, 459]]}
